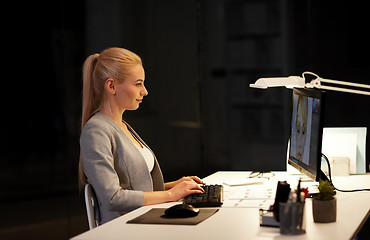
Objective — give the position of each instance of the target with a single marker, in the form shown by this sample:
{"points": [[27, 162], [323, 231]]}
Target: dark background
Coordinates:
{"points": [[200, 115]]}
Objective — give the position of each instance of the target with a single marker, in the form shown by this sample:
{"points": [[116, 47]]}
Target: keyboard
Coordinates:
{"points": [[213, 196]]}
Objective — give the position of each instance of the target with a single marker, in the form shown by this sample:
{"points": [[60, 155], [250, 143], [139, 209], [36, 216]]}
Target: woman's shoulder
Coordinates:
{"points": [[99, 122]]}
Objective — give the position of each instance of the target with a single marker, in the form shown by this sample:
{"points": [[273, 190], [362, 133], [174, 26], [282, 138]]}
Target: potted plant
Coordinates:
{"points": [[324, 204]]}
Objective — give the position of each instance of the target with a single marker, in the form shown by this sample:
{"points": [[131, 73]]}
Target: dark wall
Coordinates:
{"points": [[44, 50]]}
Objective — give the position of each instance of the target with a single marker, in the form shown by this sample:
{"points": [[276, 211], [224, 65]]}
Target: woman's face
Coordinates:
{"points": [[131, 92], [301, 128]]}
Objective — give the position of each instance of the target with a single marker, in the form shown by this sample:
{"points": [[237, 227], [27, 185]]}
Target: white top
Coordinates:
{"points": [[148, 156]]}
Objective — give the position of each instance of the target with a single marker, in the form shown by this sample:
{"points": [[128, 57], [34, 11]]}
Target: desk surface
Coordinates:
{"points": [[243, 223]]}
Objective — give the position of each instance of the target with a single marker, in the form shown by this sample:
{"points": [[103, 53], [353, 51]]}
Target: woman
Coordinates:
{"points": [[118, 164]]}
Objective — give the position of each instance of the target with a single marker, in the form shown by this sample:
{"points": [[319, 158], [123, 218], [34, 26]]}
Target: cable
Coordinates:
{"points": [[329, 171]]}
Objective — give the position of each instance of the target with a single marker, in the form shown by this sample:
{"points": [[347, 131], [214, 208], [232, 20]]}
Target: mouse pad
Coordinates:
{"points": [[156, 216]]}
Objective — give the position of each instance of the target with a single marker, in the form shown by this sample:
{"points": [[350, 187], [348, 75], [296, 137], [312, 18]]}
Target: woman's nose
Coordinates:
{"points": [[144, 92]]}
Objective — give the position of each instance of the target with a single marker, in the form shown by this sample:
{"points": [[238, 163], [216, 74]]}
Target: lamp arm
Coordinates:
{"points": [[345, 90], [317, 83], [345, 83]]}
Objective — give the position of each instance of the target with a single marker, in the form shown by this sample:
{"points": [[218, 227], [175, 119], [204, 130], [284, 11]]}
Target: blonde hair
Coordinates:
{"points": [[115, 63]]}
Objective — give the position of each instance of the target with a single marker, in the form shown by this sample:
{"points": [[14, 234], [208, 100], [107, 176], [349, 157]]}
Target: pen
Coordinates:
{"points": [[299, 191]]}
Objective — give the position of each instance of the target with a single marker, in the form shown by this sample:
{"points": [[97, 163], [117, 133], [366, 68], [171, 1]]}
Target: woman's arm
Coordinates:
{"points": [[179, 189]]}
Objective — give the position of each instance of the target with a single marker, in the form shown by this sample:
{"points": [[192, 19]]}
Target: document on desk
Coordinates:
{"points": [[264, 204], [250, 197]]}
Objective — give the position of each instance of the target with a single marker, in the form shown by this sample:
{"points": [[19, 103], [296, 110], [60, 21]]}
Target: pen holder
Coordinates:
{"points": [[292, 218]]}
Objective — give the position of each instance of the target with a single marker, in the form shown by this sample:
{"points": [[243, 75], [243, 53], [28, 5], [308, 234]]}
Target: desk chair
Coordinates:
{"points": [[92, 207]]}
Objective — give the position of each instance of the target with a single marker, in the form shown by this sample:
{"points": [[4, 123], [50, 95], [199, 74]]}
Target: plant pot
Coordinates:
{"points": [[324, 211]]}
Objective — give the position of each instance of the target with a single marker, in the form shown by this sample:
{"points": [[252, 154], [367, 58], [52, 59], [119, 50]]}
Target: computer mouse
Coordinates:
{"points": [[181, 211]]}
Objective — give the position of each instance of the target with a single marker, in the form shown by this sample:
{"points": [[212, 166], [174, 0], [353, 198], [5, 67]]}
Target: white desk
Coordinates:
{"points": [[243, 223]]}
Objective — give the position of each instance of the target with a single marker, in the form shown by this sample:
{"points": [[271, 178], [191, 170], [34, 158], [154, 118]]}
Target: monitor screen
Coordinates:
{"points": [[306, 131]]}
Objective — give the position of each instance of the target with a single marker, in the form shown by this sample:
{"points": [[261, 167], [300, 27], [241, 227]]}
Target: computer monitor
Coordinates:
{"points": [[306, 132]]}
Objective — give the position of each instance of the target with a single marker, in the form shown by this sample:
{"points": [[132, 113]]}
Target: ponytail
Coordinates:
{"points": [[89, 100], [88, 103]]}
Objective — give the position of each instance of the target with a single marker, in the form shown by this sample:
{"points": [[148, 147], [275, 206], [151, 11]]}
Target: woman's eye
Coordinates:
{"points": [[139, 83]]}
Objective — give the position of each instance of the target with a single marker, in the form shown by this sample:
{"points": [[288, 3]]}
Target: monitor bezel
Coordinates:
{"points": [[317, 174]]}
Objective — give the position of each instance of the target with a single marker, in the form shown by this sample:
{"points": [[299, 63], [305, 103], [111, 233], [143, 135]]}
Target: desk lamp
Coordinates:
{"points": [[300, 82]]}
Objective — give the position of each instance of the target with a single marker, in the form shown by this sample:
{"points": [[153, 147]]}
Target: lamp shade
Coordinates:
{"points": [[289, 82]]}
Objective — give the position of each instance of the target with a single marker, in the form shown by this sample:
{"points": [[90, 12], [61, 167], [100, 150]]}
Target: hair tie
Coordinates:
{"points": [[95, 59], [96, 56]]}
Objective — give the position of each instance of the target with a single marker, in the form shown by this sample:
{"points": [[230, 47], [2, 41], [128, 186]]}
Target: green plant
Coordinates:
{"points": [[326, 191]]}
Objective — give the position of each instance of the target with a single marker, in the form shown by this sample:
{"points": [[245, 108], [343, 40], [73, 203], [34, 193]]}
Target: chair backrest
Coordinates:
{"points": [[92, 207]]}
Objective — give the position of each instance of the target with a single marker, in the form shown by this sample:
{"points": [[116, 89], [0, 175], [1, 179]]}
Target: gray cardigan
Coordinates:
{"points": [[115, 168]]}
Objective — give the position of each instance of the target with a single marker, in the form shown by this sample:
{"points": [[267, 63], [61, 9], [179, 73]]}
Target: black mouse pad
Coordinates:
{"points": [[156, 216]]}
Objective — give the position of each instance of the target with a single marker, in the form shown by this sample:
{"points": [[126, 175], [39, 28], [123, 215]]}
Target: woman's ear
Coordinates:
{"points": [[110, 86]]}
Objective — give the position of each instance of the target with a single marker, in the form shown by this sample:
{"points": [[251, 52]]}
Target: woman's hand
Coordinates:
{"points": [[196, 179], [175, 191], [184, 187]]}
